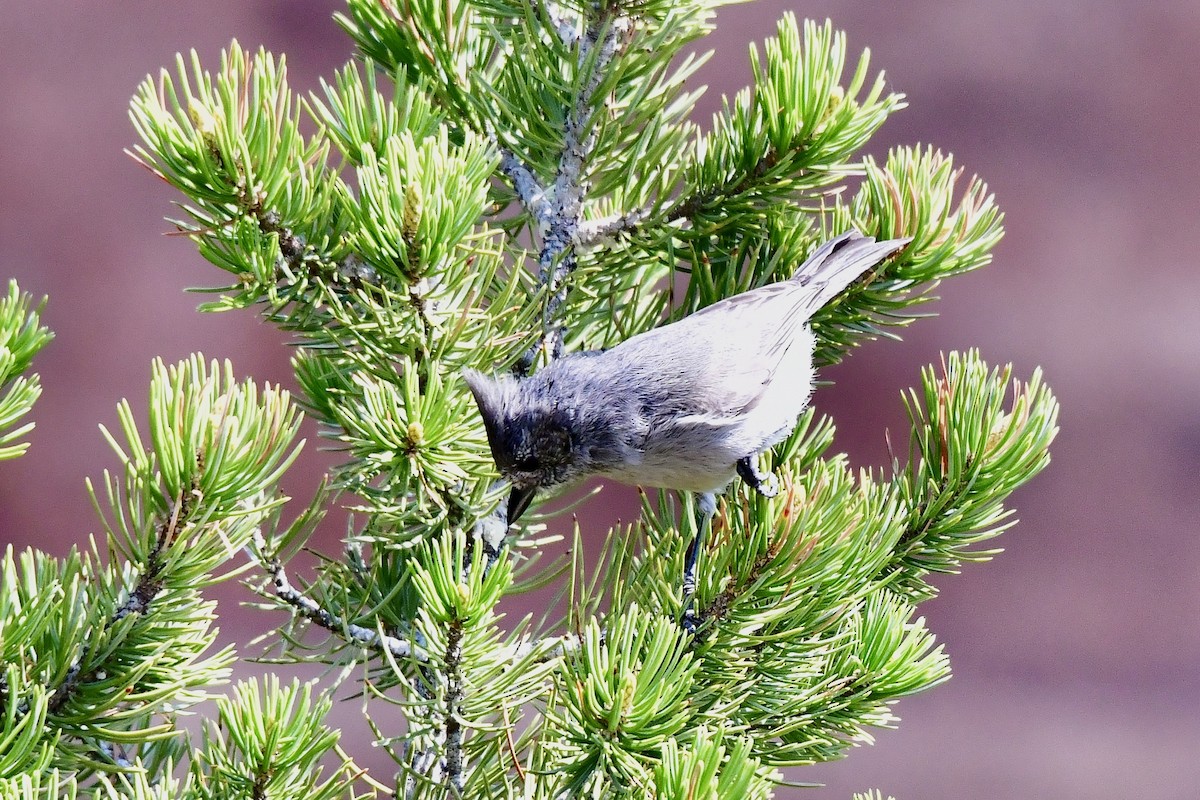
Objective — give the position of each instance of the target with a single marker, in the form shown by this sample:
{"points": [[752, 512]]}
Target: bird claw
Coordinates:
{"points": [[765, 485]]}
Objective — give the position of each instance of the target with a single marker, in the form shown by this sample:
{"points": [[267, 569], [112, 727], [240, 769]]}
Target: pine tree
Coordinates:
{"points": [[492, 184]]}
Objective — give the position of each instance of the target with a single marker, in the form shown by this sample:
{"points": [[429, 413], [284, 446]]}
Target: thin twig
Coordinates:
{"points": [[554, 647], [593, 232], [529, 189], [149, 585], [318, 615], [454, 694], [425, 764]]}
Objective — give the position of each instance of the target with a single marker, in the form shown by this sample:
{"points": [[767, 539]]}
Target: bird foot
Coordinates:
{"points": [[689, 619], [763, 484]]}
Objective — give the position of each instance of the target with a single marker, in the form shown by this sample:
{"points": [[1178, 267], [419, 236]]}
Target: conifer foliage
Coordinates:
{"points": [[492, 184]]}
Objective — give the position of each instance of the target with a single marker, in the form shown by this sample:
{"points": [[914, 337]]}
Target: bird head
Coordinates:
{"points": [[530, 436]]}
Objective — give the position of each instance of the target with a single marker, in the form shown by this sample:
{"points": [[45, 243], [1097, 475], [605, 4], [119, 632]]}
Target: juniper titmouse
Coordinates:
{"points": [[685, 406]]}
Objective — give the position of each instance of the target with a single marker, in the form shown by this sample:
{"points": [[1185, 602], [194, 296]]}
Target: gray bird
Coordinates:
{"points": [[686, 406]]}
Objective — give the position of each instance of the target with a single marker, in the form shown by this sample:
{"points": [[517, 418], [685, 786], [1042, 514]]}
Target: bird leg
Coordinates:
{"points": [[763, 484], [706, 508]]}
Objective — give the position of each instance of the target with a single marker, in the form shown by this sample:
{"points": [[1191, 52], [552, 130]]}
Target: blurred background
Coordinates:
{"points": [[1076, 652]]}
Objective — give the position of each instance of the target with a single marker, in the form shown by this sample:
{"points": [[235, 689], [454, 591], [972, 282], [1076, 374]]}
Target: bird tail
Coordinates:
{"points": [[838, 262]]}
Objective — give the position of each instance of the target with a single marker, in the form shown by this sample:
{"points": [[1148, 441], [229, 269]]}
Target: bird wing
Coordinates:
{"points": [[718, 361]]}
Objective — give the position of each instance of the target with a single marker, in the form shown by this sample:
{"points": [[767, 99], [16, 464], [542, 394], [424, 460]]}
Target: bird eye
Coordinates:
{"points": [[530, 464]]}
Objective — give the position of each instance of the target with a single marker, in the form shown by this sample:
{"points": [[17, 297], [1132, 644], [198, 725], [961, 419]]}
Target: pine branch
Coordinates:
{"points": [[404, 264], [316, 614], [119, 644], [21, 337], [599, 231], [968, 453], [270, 740], [605, 35], [548, 649], [453, 730], [682, 209], [529, 189], [148, 586]]}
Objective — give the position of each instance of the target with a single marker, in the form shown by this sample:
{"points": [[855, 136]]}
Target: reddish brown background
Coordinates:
{"points": [[1077, 651]]}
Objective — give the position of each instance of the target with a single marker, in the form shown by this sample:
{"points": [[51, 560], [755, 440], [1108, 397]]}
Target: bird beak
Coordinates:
{"points": [[519, 500]]}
